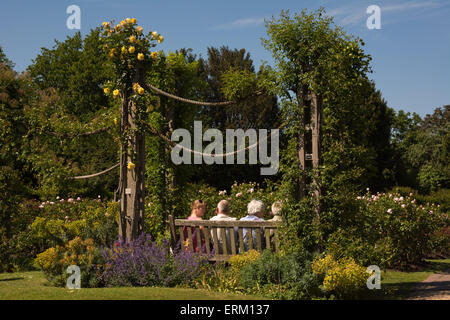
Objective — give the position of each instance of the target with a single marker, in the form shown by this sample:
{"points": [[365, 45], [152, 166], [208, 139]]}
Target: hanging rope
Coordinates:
{"points": [[218, 155], [96, 174], [83, 134], [200, 103]]}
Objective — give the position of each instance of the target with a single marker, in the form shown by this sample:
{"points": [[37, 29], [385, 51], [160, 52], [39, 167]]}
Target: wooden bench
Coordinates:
{"points": [[265, 232]]}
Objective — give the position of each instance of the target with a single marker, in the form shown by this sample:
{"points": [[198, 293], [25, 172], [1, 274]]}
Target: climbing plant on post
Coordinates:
{"points": [[129, 51], [318, 67]]}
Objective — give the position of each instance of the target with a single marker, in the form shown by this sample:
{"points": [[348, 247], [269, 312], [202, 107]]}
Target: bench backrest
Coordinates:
{"points": [[240, 236]]}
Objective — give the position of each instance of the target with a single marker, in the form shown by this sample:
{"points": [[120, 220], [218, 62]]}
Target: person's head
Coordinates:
{"points": [[276, 208], [256, 208], [198, 208], [223, 207]]}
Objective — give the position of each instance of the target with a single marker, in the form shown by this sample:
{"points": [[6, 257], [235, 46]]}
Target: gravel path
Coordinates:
{"points": [[435, 287]]}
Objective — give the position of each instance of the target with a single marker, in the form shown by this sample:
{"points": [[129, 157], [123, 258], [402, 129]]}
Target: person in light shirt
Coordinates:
{"points": [[255, 212], [222, 214]]}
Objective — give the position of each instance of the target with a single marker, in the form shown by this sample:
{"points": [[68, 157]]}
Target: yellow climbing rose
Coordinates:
{"points": [[132, 39], [115, 121], [154, 54], [154, 35], [116, 93], [140, 56], [141, 90], [131, 165], [133, 20], [124, 49], [106, 90], [160, 39], [139, 30], [131, 49]]}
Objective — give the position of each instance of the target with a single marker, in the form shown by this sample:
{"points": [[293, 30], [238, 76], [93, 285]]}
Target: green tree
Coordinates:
{"points": [[314, 57], [69, 103], [220, 70]]}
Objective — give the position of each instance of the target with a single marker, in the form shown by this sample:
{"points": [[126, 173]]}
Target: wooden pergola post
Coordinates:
{"points": [[131, 185], [310, 99]]}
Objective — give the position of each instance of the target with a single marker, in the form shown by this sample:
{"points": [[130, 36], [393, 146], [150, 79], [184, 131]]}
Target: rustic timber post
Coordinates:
{"points": [[131, 186], [301, 99], [306, 99], [316, 126]]}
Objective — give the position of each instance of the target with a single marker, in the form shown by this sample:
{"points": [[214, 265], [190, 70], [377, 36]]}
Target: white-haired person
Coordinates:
{"points": [[222, 214], [255, 212]]}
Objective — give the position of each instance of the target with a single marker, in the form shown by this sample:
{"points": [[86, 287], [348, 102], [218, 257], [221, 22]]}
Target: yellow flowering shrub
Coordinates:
{"points": [[344, 278], [82, 253], [237, 262]]}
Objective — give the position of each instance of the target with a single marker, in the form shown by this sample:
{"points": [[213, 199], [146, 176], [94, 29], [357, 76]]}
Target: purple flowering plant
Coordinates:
{"points": [[144, 262]]}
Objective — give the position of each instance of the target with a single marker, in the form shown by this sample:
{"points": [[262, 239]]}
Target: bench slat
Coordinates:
{"points": [[258, 239], [233, 241], [182, 240], [215, 241], [224, 241], [207, 239], [241, 240], [191, 245], [267, 234], [250, 238], [199, 239]]}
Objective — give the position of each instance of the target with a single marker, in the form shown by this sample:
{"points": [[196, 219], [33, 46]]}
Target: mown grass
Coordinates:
{"points": [[33, 286]]}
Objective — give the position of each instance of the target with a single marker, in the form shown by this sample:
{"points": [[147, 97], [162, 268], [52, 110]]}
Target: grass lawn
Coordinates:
{"points": [[34, 286], [397, 284]]}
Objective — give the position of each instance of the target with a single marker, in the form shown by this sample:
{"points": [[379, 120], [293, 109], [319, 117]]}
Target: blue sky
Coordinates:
{"points": [[411, 51]]}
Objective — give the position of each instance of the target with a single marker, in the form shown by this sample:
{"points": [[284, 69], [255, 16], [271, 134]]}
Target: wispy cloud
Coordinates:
{"points": [[352, 15], [241, 23]]}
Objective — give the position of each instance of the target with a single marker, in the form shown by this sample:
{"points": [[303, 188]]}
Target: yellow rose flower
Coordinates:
{"points": [[132, 39], [133, 20], [131, 49], [135, 86], [140, 56], [141, 90], [124, 49], [116, 93], [105, 24], [154, 54], [106, 90], [115, 121], [160, 39], [154, 35], [128, 20], [139, 30], [123, 23], [130, 165]]}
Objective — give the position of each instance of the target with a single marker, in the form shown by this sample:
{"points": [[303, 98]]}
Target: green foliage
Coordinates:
{"points": [[4, 59], [68, 103], [280, 276], [389, 230], [64, 220], [422, 148], [82, 253]]}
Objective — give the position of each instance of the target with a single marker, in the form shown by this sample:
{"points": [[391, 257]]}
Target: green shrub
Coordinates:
{"points": [[278, 276], [61, 222], [390, 230]]}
